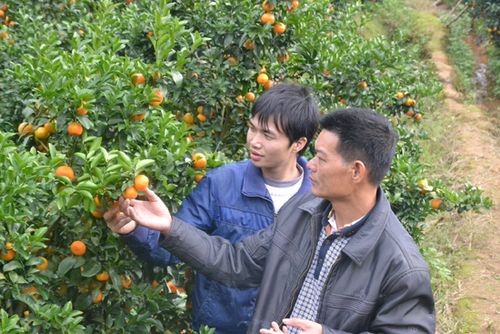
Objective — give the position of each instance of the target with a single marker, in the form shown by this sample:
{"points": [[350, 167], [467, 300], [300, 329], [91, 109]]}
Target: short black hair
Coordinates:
{"points": [[363, 135], [292, 108]]}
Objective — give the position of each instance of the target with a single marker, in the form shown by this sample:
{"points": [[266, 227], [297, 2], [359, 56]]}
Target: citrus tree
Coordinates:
{"points": [[103, 98]]}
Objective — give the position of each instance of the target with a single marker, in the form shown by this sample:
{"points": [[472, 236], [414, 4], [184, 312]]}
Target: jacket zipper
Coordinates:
{"points": [[330, 274], [296, 291]]}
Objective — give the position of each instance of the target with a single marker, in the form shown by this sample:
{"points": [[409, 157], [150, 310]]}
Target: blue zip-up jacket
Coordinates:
{"points": [[232, 202]]}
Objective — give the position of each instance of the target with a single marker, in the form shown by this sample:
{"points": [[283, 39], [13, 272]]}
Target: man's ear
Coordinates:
{"points": [[299, 144], [359, 171]]}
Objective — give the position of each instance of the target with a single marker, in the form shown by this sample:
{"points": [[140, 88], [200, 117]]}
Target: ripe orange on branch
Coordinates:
{"points": [[25, 128], [250, 96], [267, 18], [279, 28], [102, 277], [141, 182], [262, 78], [138, 79], [199, 160], [9, 255], [41, 133], [44, 265], [267, 6], [65, 171], [156, 100], [130, 193], [78, 248], [75, 129]]}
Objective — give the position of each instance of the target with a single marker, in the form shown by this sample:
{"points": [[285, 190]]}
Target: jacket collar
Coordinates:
{"points": [[364, 240], [253, 181]]}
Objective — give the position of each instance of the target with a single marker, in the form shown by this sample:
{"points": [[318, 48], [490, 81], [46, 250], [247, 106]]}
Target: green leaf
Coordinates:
{"points": [[66, 265], [177, 77], [143, 164], [91, 268], [13, 265]]}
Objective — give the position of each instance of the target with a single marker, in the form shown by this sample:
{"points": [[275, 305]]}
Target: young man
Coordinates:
{"points": [[335, 261], [240, 199]]}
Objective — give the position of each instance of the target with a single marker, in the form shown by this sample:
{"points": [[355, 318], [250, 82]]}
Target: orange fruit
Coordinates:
{"points": [[98, 298], [78, 248], [202, 118], [156, 100], [188, 119], [250, 96], [418, 117], [363, 84], [410, 113], [2, 13], [75, 129], [41, 133], [81, 109], [408, 102], [97, 213], [97, 201], [50, 126], [262, 78], [44, 265], [138, 79], [65, 171], [267, 18], [295, 5], [141, 182], [240, 98], [171, 287], [130, 193], [199, 110], [102, 277], [30, 290], [267, 6], [9, 255], [400, 95], [154, 284], [232, 60], [249, 44], [24, 128], [9, 245], [126, 281], [268, 84], [4, 34], [283, 58], [279, 28], [198, 177], [137, 117], [436, 203], [199, 161]]}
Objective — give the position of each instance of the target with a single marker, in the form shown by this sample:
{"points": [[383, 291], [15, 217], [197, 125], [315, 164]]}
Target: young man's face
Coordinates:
{"points": [[268, 147], [331, 175]]}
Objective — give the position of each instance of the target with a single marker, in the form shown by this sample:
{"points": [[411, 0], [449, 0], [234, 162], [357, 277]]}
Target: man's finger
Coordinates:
{"points": [[151, 196], [108, 215]]}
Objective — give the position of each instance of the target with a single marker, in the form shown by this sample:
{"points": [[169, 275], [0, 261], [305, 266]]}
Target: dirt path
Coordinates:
{"points": [[473, 155]]}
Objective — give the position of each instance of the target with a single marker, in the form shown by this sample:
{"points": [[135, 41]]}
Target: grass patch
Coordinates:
{"points": [[461, 55]]}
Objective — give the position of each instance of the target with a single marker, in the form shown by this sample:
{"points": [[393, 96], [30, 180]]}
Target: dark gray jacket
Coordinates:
{"points": [[380, 283]]}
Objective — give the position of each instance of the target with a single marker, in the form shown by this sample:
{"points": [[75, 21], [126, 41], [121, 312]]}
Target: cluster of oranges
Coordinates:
{"points": [[141, 183], [408, 105], [7, 23], [263, 78], [199, 164], [75, 128], [269, 18], [155, 100]]}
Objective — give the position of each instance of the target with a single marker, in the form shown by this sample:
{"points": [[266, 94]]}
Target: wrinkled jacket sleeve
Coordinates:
{"points": [[195, 209], [407, 307], [238, 265]]}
